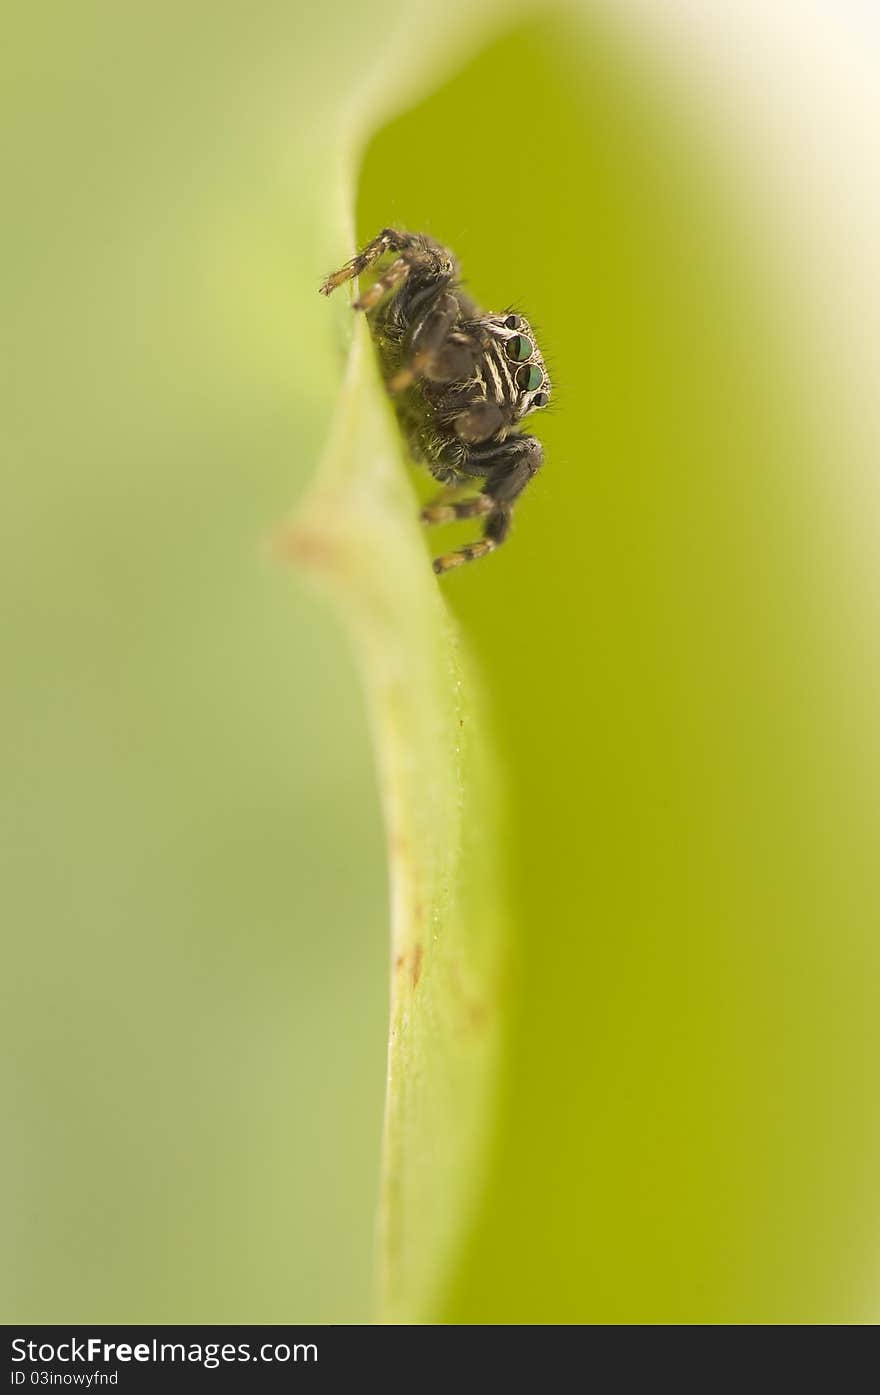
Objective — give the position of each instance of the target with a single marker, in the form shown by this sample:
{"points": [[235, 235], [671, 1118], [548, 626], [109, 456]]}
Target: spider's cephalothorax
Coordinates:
{"points": [[464, 381]]}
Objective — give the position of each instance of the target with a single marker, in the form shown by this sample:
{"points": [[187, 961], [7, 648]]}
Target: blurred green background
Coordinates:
{"points": [[681, 648], [679, 644], [194, 888]]}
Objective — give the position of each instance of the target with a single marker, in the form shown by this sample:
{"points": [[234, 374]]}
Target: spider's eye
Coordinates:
{"points": [[512, 322], [519, 348], [540, 399], [529, 377]]}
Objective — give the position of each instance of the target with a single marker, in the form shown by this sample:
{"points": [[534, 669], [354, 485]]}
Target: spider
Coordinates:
{"points": [[464, 381]]}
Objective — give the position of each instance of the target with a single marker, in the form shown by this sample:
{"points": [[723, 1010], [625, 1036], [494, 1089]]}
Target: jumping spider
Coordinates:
{"points": [[466, 381]]}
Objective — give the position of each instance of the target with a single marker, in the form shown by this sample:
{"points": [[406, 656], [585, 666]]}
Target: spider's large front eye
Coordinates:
{"points": [[529, 377], [519, 348]]}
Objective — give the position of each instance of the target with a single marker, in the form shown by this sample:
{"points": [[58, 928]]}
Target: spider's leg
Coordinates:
{"points": [[508, 466], [426, 341], [388, 240], [435, 349], [396, 274], [444, 510]]}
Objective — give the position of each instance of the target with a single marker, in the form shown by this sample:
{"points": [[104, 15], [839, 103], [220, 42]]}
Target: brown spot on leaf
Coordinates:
{"points": [[478, 1015], [309, 548], [418, 955], [399, 845], [476, 1012]]}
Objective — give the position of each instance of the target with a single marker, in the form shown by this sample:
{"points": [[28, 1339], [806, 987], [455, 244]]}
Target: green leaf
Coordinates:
{"points": [[358, 532]]}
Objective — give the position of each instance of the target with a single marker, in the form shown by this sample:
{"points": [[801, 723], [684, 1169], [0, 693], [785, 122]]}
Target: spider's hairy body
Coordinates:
{"points": [[463, 381]]}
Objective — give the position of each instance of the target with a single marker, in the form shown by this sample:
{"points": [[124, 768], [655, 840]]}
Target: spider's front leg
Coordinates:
{"points": [[434, 349], [388, 240], [508, 466], [430, 262]]}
